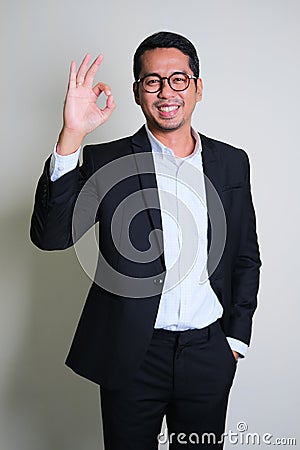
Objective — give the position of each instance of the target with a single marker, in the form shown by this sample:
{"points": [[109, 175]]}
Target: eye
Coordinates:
{"points": [[151, 81], [179, 79]]}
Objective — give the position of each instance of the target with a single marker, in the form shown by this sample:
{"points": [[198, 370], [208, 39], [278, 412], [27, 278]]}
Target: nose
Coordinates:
{"points": [[166, 90]]}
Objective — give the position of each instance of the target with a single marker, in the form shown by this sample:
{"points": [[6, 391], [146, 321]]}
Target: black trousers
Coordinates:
{"points": [[187, 377]]}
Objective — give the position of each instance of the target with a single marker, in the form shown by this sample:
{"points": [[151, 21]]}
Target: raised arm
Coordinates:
{"points": [[51, 223]]}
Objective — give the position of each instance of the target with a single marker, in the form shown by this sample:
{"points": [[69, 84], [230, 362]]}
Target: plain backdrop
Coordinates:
{"points": [[250, 67]]}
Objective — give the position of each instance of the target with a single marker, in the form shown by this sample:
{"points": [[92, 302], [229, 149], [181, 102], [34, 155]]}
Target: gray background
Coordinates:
{"points": [[250, 67]]}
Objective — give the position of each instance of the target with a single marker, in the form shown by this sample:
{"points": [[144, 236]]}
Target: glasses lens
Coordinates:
{"points": [[179, 81], [151, 83]]}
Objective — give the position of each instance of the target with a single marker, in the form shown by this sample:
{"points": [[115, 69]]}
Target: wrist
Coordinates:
{"points": [[69, 141]]}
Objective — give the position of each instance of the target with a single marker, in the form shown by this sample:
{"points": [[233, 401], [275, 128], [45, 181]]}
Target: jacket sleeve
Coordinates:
{"points": [[52, 218], [245, 278]]}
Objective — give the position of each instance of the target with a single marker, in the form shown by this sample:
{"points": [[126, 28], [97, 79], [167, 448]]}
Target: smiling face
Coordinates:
{"points": [[167, 110]]}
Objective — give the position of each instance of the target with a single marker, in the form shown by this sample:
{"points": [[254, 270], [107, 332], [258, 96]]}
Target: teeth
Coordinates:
{"points": [[168, 108]]}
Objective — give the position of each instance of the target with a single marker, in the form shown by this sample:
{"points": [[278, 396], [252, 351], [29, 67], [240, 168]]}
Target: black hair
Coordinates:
{"points": [[166, 39]]}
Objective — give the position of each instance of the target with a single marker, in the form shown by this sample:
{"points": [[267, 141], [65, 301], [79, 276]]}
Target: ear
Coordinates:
{"points": [[136, 93], [199, 86]]}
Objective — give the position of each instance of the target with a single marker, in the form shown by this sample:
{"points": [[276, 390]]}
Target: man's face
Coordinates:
{"points": [[167, 110]]}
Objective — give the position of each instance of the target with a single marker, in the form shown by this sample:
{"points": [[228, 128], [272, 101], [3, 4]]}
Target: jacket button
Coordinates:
{"points": [[158, 280]]}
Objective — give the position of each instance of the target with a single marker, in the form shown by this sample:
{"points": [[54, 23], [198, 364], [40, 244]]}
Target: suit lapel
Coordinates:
{"points": [[215, 210], [211, 163], [141, 149]]}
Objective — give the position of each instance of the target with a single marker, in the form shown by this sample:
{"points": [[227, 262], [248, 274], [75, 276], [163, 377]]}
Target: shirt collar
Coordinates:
{"points": [[160, 149]]}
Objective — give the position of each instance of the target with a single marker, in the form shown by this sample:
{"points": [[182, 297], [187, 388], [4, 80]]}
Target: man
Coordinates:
{"points": [[171, 306]]}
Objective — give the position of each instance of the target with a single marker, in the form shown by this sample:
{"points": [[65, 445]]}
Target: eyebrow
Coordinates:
{"points": [[147, 74]]}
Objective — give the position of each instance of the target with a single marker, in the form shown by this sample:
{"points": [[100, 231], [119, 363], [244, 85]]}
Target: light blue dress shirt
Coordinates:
{"points": [[186, 302]]}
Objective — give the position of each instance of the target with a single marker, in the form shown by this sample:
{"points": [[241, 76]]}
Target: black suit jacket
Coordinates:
{"points": [[116, 325]]}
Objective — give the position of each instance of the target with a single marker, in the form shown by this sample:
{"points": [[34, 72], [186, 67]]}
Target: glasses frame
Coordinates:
{"points": [[190, 77]]}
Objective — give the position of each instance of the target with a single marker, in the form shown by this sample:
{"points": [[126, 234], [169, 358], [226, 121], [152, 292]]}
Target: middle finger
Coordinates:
{"points": [[90, 74], [83, 68]]}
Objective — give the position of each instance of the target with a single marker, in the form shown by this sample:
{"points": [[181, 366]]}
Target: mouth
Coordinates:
{"points": [[168, 108], [167, 111]]}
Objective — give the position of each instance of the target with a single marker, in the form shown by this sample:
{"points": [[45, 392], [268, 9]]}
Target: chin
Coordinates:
{"points": [[168, 126]]}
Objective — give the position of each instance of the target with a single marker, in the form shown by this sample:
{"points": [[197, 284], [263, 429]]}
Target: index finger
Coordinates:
{"points": [[90, 74], [72, 75]]}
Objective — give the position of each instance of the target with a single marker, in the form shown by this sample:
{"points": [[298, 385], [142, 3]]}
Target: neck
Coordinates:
{"points": [[180, 141]]}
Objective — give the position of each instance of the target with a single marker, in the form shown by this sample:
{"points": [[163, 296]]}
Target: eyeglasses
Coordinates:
{"points": [[178, 81]]}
